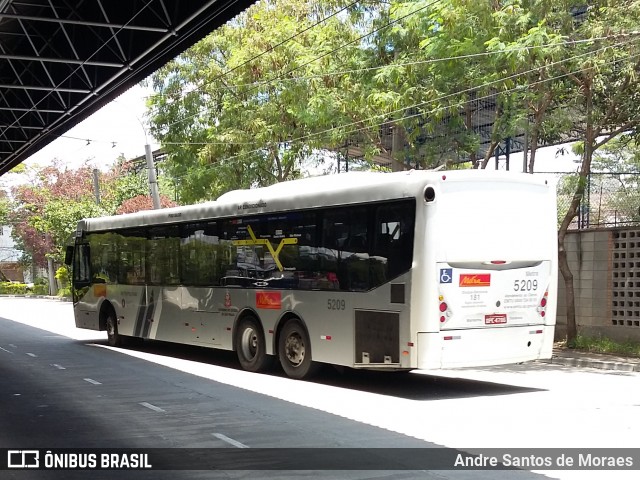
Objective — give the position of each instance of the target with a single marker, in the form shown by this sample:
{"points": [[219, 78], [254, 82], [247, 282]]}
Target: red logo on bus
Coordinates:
{"points": [[475, 279], [269, 300]]}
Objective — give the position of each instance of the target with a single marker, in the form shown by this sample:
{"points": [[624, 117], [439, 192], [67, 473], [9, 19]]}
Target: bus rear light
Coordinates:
{"points": [[445, 313], [452, 337], [409, 344], [542, 309]]}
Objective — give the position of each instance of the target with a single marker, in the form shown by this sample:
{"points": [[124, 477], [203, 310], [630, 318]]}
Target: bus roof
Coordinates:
{"points": [[306, 193]]}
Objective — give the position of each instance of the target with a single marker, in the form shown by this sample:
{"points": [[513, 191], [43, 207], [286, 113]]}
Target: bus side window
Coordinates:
{"points": [[394, 237], [346, 234], [81, 270], [163, 251], [200, 257], [132, 257]]}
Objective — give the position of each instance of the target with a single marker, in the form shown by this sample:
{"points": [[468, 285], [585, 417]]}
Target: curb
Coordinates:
{"points": [[46, 297], [601, 362]]}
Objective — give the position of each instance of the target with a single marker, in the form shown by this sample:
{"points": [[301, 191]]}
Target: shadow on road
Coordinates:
{"points": [[405, 385]]}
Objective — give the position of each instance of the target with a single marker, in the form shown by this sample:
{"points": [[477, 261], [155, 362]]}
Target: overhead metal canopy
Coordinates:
{"points": [[61, 60]]}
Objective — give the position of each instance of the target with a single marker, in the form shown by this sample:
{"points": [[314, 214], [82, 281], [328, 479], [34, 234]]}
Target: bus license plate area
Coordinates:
{"points": [[495, 319]]}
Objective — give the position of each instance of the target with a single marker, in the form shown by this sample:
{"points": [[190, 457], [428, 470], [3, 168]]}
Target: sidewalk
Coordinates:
{"points": [[578, 358]]}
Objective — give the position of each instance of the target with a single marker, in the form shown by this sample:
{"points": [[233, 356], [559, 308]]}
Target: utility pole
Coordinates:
{"points": [[151, 168], [96, 185], [153, 182]]}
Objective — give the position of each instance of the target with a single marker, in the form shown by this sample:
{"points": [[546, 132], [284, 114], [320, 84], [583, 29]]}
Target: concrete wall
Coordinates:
{"points": [[606, 268]]}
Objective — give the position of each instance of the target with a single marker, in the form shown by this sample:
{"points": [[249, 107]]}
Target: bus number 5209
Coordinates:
{"points": [[335, 304], [525, 285]]}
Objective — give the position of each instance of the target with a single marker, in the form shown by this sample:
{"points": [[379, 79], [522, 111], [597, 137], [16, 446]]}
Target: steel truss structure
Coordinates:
{"points": [[61, 60]]}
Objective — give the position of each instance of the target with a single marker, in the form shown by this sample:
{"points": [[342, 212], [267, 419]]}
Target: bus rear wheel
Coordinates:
{"points": [[294, 351], [250, 346]]}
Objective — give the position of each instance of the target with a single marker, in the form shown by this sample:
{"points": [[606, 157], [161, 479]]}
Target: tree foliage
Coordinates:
{"points": [[143, 202], [44, 211], [234, 109]]}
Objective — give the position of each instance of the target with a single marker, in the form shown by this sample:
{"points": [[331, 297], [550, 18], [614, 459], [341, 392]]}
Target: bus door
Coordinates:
{"points": [[86, 294]]}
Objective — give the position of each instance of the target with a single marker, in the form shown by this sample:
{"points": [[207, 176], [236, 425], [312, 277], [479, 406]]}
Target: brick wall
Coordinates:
{"points": [[606, 269]]}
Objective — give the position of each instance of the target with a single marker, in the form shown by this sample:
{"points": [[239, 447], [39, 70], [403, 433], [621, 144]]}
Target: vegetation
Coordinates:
{"points": [[13, 288], [62, 275], [44, 212], [606, 345]]}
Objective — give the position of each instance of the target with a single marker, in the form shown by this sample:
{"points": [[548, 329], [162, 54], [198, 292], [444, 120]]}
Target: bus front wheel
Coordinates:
{"points": [[294, 351], [250, 346], [114, 339]]}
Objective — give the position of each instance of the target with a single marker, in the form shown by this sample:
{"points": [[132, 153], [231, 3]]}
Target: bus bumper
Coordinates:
{"points": [[484, 346]]}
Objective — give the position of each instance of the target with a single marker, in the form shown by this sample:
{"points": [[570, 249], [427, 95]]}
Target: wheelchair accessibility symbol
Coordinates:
{"points": [[446, 275]]}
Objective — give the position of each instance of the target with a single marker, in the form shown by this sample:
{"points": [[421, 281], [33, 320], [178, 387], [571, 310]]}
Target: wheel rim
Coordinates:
{"points": [[295, 350], [249, 343], [111, 327]]}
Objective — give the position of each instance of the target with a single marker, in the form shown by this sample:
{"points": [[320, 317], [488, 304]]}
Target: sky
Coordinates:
{"points": [[119, 127]]}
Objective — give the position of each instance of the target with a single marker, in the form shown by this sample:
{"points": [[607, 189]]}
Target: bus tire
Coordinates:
{"points": [[111, 325], [251, 348], [294, 351]]}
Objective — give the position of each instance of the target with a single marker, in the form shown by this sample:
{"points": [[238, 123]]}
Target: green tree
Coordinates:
{"points": [[44, 212], [615, 199], [245, 106], [607, 94]]}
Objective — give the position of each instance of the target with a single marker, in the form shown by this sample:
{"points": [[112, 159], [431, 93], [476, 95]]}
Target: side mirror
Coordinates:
{"points": [[68, 257]]}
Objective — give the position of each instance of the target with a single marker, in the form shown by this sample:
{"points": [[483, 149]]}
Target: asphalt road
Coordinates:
{"points": [[65, 388]]}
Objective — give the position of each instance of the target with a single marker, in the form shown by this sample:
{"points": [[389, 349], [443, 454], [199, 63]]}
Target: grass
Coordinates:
{"points": [[606, 345]]}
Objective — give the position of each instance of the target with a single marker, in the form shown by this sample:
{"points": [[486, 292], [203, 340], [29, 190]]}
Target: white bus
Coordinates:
{"points": [[385, 271]]}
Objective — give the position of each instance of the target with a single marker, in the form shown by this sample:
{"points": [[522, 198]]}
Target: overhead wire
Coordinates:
{"points": [[406, 64], [371, 68], [271, 48], [444, 97], [431, 60], [376, 30], [435, 110], [468, 90], [410, 107], [414, 63]]}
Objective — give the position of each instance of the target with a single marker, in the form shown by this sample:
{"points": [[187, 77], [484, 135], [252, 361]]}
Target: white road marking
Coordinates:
{"points": [[233, 442], [92, 381], [12, 345], [32, 355], [152, 407], [59, 367], [5, 350]]}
